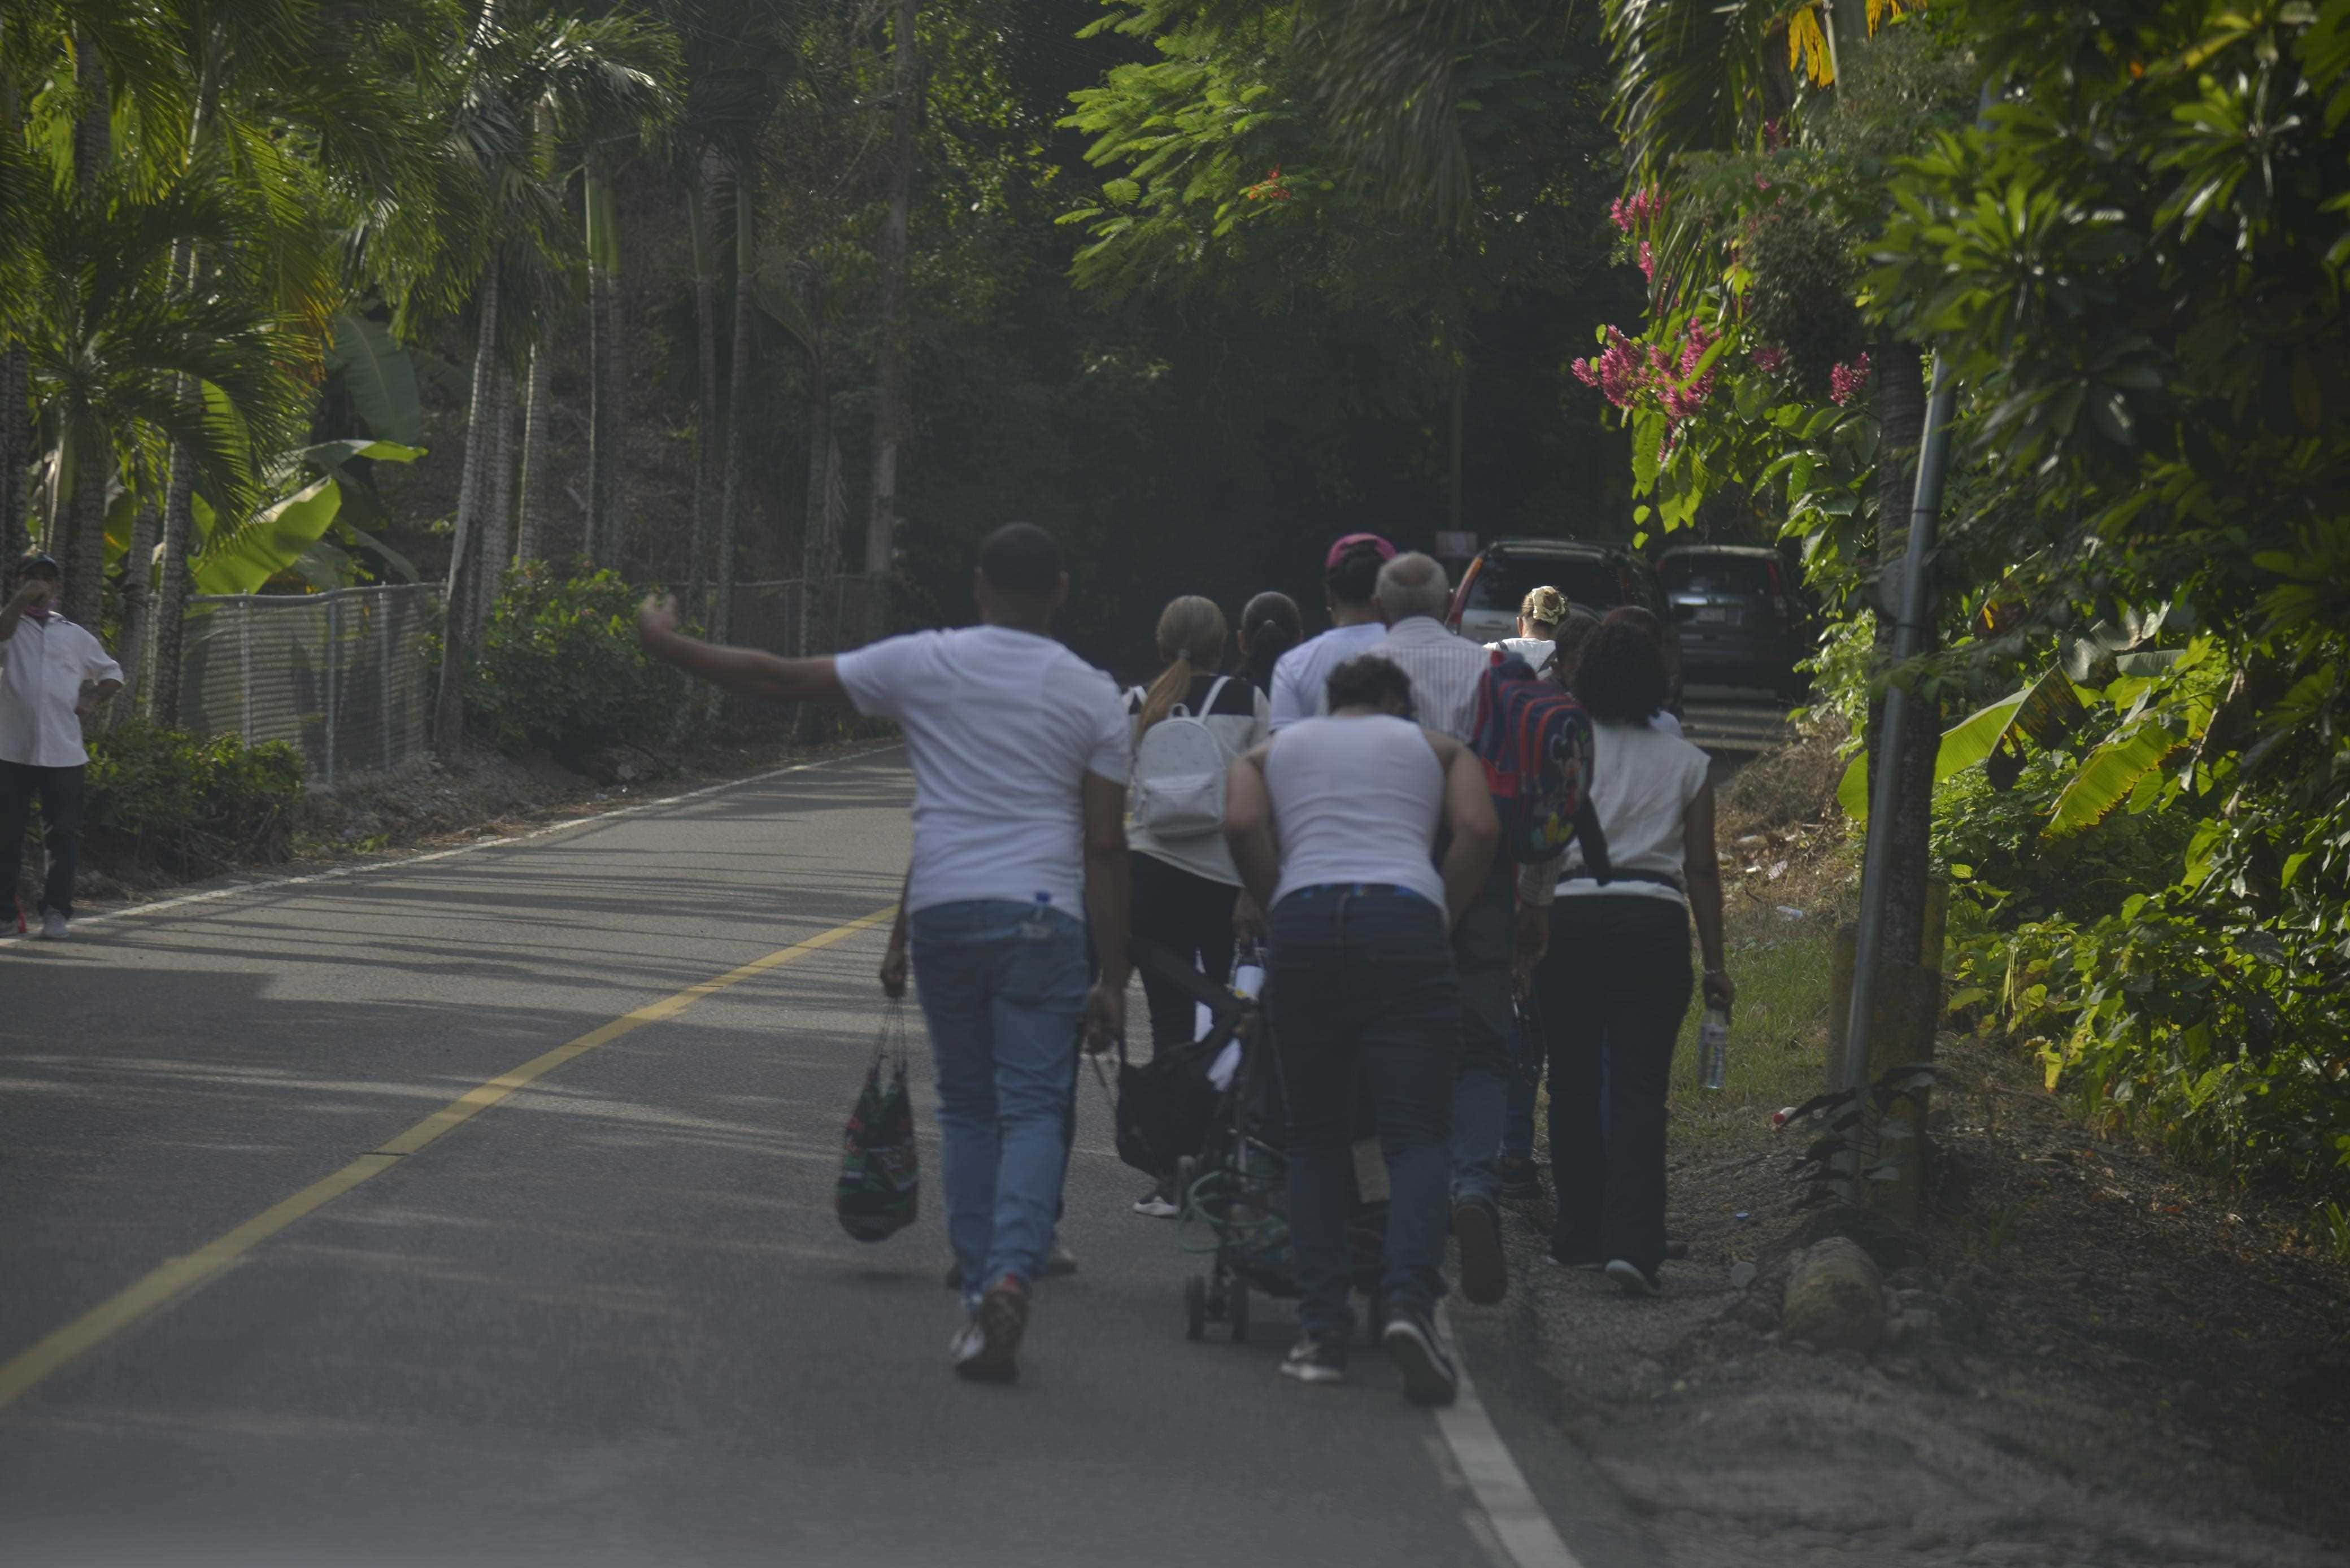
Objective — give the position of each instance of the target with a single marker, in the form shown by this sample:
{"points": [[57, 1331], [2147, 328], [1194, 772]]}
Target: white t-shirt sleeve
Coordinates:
{"points": [[880, 676], [97, 664], [1665, 724], [1287, 708], [1111, 752]]}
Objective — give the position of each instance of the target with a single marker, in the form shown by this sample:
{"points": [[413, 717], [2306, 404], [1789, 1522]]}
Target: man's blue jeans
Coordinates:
{"points": [[1481, 953], [1004, 987]]}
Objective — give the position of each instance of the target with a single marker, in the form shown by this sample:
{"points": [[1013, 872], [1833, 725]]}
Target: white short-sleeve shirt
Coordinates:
{"points": [[43, 668], [1001, 726], [1301, 677]]}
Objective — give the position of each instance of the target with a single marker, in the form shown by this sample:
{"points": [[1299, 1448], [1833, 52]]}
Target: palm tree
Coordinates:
{"points": [[261, 78], [108, 340], [591, 75]]}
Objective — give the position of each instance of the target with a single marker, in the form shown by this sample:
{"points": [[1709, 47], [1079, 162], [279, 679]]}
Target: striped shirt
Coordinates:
{"points": [[1444, 671]]}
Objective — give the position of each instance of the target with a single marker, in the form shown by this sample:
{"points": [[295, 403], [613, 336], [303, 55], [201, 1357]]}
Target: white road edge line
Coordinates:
{"points": [[338, 872], [1517, 1516]]}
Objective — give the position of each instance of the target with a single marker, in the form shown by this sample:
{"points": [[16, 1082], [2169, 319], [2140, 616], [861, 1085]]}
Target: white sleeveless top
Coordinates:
{"points": [[1642, 781], [1357, 800]]}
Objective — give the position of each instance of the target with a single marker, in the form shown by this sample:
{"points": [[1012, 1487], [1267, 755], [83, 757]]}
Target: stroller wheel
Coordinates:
{"points": [[1236, 1307], [1187, 1171], [1195, 1308]]}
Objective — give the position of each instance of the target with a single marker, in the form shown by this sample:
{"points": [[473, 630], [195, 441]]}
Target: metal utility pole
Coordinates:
{"points": [[1908, 634], [889, 404]]}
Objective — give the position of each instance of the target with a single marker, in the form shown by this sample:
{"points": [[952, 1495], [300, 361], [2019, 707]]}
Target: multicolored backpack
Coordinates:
{"points": [[1535, 742]]}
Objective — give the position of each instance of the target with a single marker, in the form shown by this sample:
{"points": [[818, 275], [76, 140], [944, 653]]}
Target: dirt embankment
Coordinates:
{"points": [[2088, 1354]]}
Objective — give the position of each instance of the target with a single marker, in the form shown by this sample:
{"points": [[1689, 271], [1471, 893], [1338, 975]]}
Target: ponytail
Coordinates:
{"points": [[1191, 637], [1271, 626]]}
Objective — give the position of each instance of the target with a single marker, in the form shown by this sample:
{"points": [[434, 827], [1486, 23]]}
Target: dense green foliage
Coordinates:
{"points": [[559, 670], [190, 804], [2121, 230]]}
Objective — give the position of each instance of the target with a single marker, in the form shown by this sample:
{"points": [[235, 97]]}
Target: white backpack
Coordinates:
{"points": [[1178, 773]]}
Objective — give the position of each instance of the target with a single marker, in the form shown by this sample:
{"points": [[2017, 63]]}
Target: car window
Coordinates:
{"points": [[1504, 580], [1718, 576]]}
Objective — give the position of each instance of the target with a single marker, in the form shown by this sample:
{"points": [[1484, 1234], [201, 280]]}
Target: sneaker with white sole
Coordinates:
{"points": [[1633, 1279], [1059, 1261], [1155, 1205], [53, 926], [988, 1349], [1313, 1359], [1428, 1375]]}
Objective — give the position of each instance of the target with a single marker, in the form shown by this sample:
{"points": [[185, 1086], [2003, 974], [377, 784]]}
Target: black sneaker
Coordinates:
{"points": [[1484, 1267], [988, 1350], [1634, 1279], [1313, 1359], [1517, 1178], [1429, 1374]]}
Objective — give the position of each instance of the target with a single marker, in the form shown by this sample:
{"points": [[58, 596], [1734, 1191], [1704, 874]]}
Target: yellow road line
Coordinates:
{"points": [[24, 1371]]}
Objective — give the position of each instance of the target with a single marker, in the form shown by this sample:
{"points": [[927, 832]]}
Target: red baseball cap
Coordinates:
{"points": [[1386, 551]]}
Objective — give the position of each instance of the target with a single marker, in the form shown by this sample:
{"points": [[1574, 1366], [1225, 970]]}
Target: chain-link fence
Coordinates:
{"points": [[768, 615], [340, 676], [343, 677]]}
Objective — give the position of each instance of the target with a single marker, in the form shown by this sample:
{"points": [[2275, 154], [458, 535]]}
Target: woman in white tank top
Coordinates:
{"points": [[1331, 824], [1616, 983]]}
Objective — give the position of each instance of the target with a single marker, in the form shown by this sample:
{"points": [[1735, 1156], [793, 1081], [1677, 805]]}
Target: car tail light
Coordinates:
{"points": [[1461, 595]]}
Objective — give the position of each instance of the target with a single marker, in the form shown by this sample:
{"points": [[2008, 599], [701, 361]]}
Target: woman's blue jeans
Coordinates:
{"points": [[1003, 985]]}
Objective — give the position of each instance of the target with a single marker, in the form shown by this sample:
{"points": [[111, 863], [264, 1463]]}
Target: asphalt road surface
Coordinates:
{"points": [[609, 1318]]}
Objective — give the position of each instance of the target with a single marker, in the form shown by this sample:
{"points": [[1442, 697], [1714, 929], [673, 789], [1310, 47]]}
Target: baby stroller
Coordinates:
{"points": [[1234, 1176]]}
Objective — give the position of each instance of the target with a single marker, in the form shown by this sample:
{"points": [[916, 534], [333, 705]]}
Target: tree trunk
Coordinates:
{"points": [[497, 516], [539, 417], [138, 609], [80, 545], [604, 415], [890, 400], [15, 449], [738, 399], [702, 199], [1901, 421], [474, 493], [172, 585], [84, 560]]}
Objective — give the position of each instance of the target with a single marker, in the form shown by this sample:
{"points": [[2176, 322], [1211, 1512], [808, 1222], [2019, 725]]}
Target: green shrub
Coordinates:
{"points": [[191, 802], [559, 670], [1987, 842]]}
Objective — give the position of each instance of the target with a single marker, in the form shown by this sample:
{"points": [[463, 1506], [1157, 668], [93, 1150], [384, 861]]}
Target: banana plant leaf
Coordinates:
{"points": [[2044, 712], [381, 377], [239, 560]]}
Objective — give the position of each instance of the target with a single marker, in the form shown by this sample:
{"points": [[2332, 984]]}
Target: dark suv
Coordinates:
{"points": [[1596, 577], [1742, 615]]}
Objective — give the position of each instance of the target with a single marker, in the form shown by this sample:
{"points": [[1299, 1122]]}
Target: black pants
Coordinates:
{"points": [[59, 792], [1612, 990], [1192, 916], [1362, 986]]}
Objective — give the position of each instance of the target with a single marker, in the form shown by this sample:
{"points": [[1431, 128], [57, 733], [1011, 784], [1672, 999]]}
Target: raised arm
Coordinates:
{"points": [[1248, 827], [1703, 872], [1108, 907], [744, 669], [1469, 813]]}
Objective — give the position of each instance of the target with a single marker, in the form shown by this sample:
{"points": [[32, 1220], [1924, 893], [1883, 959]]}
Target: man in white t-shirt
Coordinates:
{"points": [[1301, 677], [53, 675], [1020, 752]]}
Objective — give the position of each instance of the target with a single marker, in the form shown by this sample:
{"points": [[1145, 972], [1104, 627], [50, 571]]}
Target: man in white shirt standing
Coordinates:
{"points": [[1301, 677], [53, 675], [1445, 670], [1020, 752]]}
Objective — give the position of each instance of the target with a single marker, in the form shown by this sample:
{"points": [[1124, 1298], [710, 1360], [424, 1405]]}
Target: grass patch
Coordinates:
{"points": [[1778, 1031]]}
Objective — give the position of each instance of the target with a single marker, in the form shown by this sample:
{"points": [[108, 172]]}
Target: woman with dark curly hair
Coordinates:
{"points": [[1616, 983]]}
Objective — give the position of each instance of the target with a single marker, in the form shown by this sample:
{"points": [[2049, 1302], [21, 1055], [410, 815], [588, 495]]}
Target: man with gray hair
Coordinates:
{"points": [[1412, 597]]}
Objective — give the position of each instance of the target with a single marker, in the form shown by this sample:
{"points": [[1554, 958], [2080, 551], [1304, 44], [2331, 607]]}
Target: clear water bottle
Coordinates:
{"points": [[1713, 1048], [1248, 970]]}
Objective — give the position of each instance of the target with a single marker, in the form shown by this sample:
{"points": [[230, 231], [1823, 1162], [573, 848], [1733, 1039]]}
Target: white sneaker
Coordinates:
{"points": [[1155, 1206], [53, 926]]}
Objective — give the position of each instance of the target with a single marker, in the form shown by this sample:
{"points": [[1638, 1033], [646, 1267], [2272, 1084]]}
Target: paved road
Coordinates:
{"points": [[610, 1319]]}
